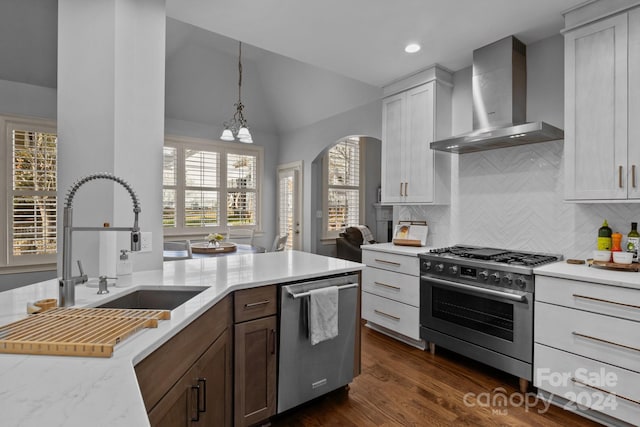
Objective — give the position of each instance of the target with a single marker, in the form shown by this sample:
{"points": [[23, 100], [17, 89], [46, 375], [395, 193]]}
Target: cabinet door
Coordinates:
{"points": [[419, 167], [202, 396], [392, 148], [255, 370], [215, 381], [596, 110], [634, 104]]}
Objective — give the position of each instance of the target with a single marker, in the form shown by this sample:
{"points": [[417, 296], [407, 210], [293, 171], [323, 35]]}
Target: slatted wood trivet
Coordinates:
{"points": [[76, 331]]}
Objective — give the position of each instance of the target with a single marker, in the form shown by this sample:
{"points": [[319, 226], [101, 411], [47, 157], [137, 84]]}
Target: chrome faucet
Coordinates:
{"points": [[68, 282]]}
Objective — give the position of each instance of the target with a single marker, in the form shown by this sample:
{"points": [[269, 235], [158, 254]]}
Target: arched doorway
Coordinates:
{"points": [[329, 216]]}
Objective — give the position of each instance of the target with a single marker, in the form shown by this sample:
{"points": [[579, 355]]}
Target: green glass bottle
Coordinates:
{"points": [[633, 241], [604, 237]]}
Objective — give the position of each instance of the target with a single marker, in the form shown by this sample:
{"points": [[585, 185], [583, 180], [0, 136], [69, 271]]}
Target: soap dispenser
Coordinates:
{"points": [[124, 266]]}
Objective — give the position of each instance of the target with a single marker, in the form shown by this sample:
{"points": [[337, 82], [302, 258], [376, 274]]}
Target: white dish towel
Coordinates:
{"points": [[323, 314]]}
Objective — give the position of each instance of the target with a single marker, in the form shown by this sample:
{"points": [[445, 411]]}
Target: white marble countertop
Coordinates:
{"points": [[626, 279], [396, 249], [84, 391]]}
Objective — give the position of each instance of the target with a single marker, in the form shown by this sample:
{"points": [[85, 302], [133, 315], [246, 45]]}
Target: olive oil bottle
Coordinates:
{"points": [[633, 241], [604, 237]]}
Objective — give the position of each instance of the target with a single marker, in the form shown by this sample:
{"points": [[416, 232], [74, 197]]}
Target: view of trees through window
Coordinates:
{"points": [[343, 194], [33, 192]]}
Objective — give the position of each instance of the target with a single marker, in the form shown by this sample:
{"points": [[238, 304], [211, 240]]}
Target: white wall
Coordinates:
{"points": [[306, 143], [513, 197]]}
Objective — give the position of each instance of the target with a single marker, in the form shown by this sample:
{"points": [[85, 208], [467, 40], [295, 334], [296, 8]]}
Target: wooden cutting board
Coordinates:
{"points": [[614, 265], [76, 331]]}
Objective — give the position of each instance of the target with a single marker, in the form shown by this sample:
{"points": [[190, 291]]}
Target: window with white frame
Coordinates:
{"points": [[343, 186], [209, 186], [29, 155]]}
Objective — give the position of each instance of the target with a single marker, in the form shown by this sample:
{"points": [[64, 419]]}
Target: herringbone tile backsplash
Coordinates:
{"points": [[514, 198]]}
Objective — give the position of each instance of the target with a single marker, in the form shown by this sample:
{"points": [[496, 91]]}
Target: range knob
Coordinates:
{"points": [[440, 268], [453, 269], [495, 277], [483, 274], [427, 265], [507, 279], [521, 282]]}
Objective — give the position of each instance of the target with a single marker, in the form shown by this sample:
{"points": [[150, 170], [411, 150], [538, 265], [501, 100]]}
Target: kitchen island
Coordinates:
{"points": [[80, 391]]}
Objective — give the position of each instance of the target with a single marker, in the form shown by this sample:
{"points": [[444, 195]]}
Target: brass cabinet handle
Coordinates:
{"points": [[255, 304], [604, 341], [384, 261], [605, 301], [633, 176], [387, 286], [401, 190], [577, 381], [382, 313], [620, 176], [406, 188]]}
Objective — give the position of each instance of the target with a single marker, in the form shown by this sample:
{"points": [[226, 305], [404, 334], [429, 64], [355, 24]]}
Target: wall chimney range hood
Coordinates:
{"points": [[499, 87]]}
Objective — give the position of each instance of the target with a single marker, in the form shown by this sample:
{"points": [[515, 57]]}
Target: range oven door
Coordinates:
{"points": [[497, 320]]}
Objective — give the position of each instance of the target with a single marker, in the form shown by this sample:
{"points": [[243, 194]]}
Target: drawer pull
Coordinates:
{"points": [[255, 304], [604, 341], [401, 189], [606, 301], [605, 391], [387, 286], [382, 313], [406, 188], [384, 261]]}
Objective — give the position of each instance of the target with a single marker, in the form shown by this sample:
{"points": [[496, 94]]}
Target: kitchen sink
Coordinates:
{"points": [[155, 298]]}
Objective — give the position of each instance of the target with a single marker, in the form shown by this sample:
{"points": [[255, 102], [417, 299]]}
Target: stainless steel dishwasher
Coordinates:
{"points": [[307, 371]]}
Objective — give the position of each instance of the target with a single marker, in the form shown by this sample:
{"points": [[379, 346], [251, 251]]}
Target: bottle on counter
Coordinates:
{"points": [[604, 237], [633, 241]]}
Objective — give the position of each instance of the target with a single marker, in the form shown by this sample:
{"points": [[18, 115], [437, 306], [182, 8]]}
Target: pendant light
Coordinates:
{"points": [[237, 126]]}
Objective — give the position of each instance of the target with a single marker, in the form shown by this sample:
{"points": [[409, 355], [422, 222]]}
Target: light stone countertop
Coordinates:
{"points": [[396, 249], [582, 272], [87, 391]]}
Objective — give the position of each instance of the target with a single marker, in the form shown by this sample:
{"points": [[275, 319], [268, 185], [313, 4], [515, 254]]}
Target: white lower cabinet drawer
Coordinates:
{"points": [[396, 286], [588, 383], [604, 299], [392, 262], [609, 339], [401, 318]]}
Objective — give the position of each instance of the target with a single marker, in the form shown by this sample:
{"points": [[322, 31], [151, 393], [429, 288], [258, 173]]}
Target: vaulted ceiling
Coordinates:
{"points": [[304, 61]]}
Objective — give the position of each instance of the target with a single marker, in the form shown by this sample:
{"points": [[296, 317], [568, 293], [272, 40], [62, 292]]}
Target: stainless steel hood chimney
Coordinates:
{"points": [[499, 87]]}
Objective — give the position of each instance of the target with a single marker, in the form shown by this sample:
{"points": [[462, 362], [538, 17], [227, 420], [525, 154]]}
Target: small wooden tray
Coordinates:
{"points": [[613, 265], [204, 248]]}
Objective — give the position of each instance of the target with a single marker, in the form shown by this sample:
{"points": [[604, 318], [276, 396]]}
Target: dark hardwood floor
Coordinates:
{"points": [[404, 386]]}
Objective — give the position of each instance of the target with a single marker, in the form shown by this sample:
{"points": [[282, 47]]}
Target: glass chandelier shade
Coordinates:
{"points": [[237, 127]]}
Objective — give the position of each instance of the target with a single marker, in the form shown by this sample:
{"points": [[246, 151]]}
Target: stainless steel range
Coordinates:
{"points": [[478, 302]]}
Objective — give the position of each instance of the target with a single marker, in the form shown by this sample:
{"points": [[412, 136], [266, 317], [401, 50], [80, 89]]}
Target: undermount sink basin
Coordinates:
{"points": [[154, 298]]}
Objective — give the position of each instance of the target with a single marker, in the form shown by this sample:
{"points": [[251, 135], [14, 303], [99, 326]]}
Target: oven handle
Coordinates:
{"points": [[477, 289]]}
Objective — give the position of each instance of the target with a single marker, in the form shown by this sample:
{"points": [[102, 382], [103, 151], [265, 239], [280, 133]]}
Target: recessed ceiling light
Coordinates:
{"points": [[412, 48]]}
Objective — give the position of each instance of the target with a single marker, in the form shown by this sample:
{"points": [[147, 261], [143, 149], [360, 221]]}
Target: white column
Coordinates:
{"points": [[111, 67]]}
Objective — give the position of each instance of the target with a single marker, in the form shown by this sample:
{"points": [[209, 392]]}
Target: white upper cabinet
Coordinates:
{"points": [[412, 173], [602, 68]]}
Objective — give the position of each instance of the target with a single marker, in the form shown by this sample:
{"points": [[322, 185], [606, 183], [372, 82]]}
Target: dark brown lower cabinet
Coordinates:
{"points": [[255, 370], [188, 380], [202, 397]]}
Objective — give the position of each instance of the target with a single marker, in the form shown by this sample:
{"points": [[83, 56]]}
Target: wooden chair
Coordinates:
{"points": [[280, 243], [240, 235], [177, 250]]}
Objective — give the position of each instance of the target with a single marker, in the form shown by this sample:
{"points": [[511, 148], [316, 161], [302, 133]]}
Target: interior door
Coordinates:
{"points": [[289, 209]]}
